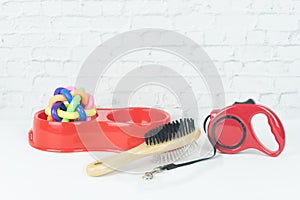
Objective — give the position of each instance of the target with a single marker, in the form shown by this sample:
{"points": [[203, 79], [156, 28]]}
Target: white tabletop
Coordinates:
{"points": [[27, 173]]}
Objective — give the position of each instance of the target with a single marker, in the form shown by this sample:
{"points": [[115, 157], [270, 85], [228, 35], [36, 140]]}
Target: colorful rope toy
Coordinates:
{"points": [[70, 104]]}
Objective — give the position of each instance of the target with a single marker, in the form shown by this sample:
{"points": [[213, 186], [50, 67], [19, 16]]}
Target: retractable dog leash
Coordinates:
{"points": [[230, 131]]}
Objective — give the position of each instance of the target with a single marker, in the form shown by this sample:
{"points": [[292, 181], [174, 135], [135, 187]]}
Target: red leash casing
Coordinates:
{"points": [[230, 129]]}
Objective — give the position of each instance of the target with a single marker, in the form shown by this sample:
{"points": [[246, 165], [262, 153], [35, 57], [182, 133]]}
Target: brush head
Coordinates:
{"points": [[170, 131], [176, 154]]}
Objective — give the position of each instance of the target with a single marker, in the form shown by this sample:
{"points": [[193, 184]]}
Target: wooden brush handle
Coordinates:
{"points": [[112, 163]]}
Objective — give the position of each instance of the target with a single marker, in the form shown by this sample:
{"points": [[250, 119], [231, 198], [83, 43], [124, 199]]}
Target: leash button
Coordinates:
{"points": [[249, 101]]}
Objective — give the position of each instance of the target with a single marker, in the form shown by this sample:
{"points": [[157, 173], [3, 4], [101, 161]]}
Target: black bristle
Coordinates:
{"points": [[184, 126], [159, 135], [167, 137], [174, 133], [178, 128], [170, 131], [189, 125], [193, 124], [172, 128]]}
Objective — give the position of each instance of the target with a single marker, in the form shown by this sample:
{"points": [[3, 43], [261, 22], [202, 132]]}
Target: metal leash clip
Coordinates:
{"points": [[150, 175]]}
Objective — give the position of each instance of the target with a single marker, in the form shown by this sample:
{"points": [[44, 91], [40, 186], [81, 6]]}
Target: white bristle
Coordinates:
{"points": [[175, 155]]}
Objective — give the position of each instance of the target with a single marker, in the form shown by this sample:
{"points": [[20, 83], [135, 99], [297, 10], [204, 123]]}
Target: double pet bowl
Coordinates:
{"points": [[112, 129]]}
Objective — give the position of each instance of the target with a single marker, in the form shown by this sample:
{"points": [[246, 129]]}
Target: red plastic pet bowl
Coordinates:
{"points": [[113, 129]]}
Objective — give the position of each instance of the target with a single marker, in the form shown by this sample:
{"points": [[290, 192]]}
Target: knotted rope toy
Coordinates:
{"points": [[70, 104]]}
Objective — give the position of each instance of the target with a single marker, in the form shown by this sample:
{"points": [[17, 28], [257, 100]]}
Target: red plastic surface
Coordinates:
{"points": [[229, 136], [115, 129]]}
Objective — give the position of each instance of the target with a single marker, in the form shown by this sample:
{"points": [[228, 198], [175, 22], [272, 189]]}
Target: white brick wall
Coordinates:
{"points": [[255, 44]]}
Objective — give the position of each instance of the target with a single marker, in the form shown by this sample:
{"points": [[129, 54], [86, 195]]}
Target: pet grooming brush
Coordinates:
{"points": [[165, 140]]}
